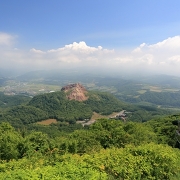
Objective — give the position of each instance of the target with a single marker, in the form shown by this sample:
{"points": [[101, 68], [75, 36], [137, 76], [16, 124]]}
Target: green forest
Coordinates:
{"points": [[142, 147], [56, 105], [21, 110], [107, 149]]}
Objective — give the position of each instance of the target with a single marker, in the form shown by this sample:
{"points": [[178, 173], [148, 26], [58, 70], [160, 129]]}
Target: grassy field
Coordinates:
{"points": [[47, 122], [142, 91], [99, 116], [156, 89]]}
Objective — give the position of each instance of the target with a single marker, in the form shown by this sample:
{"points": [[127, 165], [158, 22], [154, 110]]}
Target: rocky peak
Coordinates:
{"points": [[75, 91]]}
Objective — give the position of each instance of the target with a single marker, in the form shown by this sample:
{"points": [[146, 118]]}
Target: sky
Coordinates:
{"points": [[118, 35]]}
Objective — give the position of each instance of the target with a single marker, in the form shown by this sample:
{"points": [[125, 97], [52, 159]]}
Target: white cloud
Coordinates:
{"points": [[33, 50], [175, 60], [6, 39], [172, 43], [139, 49], [162, 57], [74, 53], [80, 47]]}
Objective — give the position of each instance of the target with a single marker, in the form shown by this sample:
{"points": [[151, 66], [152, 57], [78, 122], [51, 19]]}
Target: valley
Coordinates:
{"points": [[141, 90]]}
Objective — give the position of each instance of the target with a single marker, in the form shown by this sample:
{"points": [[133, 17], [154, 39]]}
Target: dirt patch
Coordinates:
{"points": [[47, 122], [76, 92], [97, 116]]}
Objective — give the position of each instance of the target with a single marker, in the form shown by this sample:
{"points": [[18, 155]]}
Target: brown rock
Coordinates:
{"points": [[75, 91]]}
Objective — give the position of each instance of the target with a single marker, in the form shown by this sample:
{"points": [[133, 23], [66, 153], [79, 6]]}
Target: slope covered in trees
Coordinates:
{"points": [[10, 101], [56, 105], [108, 149]]}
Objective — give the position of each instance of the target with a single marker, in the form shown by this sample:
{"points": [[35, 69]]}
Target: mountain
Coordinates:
{"points": [[71, 104]]}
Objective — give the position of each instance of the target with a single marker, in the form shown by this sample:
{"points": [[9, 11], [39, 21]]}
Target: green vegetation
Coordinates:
{"points": [[10, 101], [165, 99], [156, 90], [23, 115], [59, 107], [56, 105], [104, 103], [143, 146], [108, 149]]}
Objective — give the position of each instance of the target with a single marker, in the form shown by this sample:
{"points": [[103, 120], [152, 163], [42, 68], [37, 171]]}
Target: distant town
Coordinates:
{"points": [[27, 89]]}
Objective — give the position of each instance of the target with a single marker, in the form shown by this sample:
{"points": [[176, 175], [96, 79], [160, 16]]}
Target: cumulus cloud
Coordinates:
{"points": [[80, 47], [161, 57], [75, 53], [172, 43]]}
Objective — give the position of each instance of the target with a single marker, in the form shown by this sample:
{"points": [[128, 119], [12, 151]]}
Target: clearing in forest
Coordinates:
{"points": [[47, 122]]}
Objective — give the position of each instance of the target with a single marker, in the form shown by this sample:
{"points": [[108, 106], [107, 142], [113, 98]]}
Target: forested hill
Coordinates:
{"points": [[57, 105], [10, 101], [107, 149]]}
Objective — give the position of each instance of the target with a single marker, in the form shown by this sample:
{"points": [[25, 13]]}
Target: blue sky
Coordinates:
{"points": [[44, 33]]}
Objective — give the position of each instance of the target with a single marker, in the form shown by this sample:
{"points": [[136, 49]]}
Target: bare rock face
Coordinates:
{"points": [[75, 91]]}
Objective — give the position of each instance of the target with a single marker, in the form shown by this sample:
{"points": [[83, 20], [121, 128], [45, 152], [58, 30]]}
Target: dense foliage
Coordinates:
{"points": [[10, 101], [22, 115], [142, 113], [166, 89], [104, 103], [162, 98], [59, 107], [109, 149], [56, 105]]}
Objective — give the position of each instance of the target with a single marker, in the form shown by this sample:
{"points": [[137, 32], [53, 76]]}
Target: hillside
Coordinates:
{"points": [[107, 149], [158, 90], [10, 101], [71, 104]]}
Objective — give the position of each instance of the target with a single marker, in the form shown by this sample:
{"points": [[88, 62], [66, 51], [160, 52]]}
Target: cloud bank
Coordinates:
{"points": [[161, 57]]}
